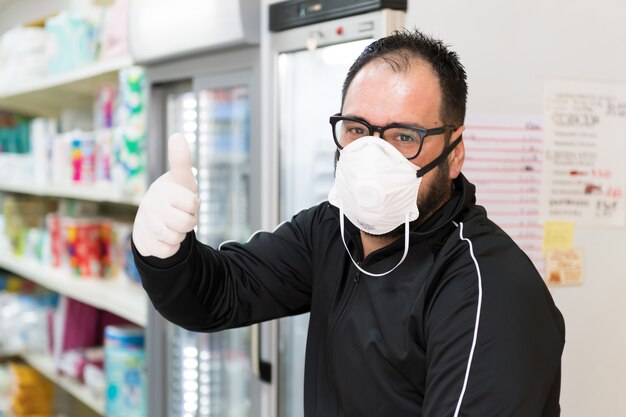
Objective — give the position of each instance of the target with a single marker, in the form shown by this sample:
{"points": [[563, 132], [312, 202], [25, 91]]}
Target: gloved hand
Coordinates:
{"points": [[168, 210]]}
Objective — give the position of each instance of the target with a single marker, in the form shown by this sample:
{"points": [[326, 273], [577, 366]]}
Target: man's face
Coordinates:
{"points": [[381, 96]]}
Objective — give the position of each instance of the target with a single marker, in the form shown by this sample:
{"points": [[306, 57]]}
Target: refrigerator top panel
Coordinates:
{"points": [[296, 13], [372, 25]]}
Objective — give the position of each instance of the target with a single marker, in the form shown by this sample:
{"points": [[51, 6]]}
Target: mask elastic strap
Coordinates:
{"points": [[429, 166], [406, 245]]}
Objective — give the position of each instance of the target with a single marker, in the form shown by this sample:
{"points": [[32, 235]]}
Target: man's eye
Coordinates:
{"points": [[356, 131], [407, 138], [404, 138]]}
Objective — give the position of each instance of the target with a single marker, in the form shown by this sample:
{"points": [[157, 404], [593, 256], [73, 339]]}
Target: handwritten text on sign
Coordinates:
{"points": [[585, 139], [503, 158]]}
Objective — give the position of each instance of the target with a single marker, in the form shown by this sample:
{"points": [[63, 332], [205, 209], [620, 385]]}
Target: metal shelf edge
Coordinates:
{"points": [[100, 293]]}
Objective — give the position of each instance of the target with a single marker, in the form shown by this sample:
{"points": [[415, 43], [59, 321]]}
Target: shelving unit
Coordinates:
{"points": [[98, 193], [48, 96], [45, 366], [119, 297]]}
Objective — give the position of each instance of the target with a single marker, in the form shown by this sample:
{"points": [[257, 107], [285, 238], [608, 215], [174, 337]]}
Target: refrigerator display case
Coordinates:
{"points": [[212, 105], [308, 65], [210, 375]]}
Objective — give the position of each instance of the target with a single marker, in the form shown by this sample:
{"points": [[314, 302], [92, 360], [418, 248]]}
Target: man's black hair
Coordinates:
{"points": [[401, 48]]}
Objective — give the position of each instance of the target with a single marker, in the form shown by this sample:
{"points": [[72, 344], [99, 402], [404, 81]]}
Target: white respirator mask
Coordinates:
{"points": [[376, 189]]}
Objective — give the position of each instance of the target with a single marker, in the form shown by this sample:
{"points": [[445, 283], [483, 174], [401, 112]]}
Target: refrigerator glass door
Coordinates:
{"points": [[210, 374], [309, 86]]}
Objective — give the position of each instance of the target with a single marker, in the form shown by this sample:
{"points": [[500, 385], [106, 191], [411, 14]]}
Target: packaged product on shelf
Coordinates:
{"points": [[24, 314], [61, 161], [22, 214], [56, 244], [111, 251], [124, 365], [22, 55], [94, 247], [14, 133], [15, 147], [114, 38], [130, 137], [94, 379], [130, 269], [104, 155], [33, 394], [42, 135], [104, 108], [83, 158], [34, 243], [78, 335], [82, 242], [73, 362], [73, 41]]}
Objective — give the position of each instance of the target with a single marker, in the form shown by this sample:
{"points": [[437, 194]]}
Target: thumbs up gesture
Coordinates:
{"points": [[168, 210]]}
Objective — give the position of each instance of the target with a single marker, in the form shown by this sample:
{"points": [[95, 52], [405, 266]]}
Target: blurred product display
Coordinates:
{"points": [[69, 40], [25, 311], [84, 345], [125, 372], [32, 394], [22, 55], [102, 146], [68, 235]]}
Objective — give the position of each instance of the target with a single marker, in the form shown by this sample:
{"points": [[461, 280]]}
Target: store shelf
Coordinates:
{"points": [[48, 96], [99, 193], [117, 296], [45, 365]]}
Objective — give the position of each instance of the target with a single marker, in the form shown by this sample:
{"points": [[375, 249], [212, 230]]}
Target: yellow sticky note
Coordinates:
{"points": [[558, 236]]}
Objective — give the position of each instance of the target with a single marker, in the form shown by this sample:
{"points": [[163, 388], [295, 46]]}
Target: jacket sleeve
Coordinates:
{"points": [[493, 336], [204, 289]]}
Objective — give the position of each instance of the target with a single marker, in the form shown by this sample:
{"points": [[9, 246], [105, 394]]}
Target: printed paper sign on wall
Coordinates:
{"points": [[585, 143]]}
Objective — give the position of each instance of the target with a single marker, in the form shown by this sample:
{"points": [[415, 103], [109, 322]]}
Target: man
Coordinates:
{"points": [[424, 309]]}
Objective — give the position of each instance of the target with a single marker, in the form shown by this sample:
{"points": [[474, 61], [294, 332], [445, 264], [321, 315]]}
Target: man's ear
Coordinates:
{"points": [[457, 156]]}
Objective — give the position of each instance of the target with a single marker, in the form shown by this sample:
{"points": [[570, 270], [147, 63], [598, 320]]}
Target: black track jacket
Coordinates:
{"points": [[463, 327]]}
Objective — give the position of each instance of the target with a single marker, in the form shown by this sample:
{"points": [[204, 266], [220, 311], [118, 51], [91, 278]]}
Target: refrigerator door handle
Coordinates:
{"points": [[260, 368]]}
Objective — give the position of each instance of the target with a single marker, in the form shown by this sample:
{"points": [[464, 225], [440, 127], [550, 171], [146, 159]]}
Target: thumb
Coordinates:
{"points": [[179, 157]]}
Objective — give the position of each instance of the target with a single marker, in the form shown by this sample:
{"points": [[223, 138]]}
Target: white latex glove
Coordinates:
{"points": [[168, 210]]}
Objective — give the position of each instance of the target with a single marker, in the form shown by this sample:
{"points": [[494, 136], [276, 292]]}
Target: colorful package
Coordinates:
{"points": [[124, 367], [83, 246]]}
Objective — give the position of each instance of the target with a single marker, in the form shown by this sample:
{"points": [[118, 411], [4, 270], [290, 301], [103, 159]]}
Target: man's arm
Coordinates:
{"points": [[204, 289], [200, 288], [493, 338]]}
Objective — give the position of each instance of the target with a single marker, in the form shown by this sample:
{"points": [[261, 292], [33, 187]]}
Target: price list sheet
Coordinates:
{"points": [[504, 159]]}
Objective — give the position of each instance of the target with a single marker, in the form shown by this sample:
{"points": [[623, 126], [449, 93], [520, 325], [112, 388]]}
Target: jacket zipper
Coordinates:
{"points": [[342, 315]]}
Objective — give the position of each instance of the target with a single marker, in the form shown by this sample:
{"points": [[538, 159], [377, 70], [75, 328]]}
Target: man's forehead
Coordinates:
{"points": [[381, 93]]}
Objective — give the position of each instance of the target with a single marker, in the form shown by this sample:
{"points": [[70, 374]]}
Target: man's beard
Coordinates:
{"points": [[428, 201]]}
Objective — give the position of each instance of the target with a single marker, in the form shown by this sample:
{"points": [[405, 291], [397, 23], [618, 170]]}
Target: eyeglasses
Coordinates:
{"points": [[407, 139]]}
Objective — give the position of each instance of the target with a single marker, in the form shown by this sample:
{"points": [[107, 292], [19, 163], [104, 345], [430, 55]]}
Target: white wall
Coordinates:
{"points": [[14, 12], [509, 48]]}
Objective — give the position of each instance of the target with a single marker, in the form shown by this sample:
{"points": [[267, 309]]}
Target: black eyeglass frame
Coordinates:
{"points": [[421, 132]]}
